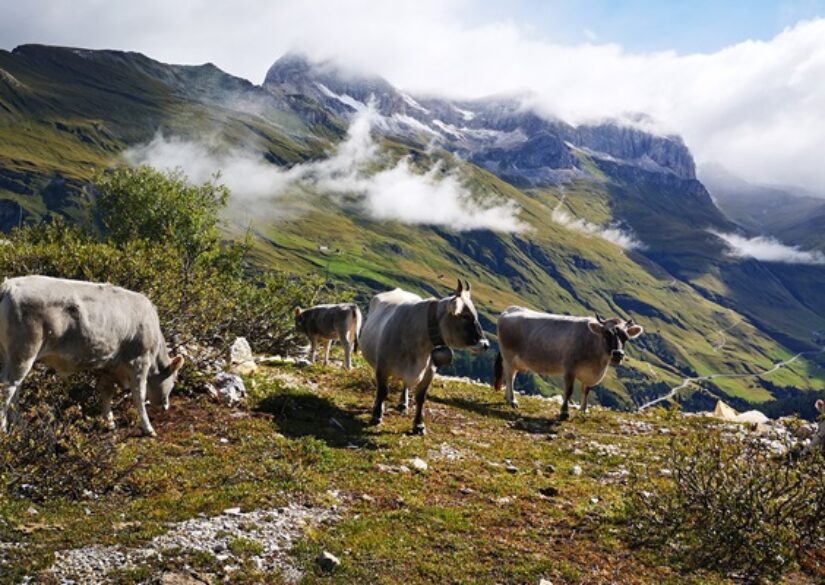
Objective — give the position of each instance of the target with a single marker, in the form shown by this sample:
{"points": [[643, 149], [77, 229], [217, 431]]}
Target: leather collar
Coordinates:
{"points": [[433, 330]]}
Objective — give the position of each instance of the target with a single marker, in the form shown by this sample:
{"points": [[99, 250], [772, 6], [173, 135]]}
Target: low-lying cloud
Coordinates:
{"points": [[395, 192], [612, 233], [768, 249]]}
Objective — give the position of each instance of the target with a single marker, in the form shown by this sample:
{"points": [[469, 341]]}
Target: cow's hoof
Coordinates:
{"points": [[402, 408], [149, 433], [564, 415], [420, 430], [514, 403], [375, 421]]}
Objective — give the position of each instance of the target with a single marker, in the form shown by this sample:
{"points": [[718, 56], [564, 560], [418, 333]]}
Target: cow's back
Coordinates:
{"points": [[328, 321], [390, 322], [77, 323], [543, 342]]}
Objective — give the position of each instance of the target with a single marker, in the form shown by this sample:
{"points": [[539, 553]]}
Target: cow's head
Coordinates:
{"points": [[616, 333], [160, 382], [300, 319], [459, 324]]}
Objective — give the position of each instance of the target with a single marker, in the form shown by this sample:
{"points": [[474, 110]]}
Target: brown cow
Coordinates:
{"points": [[579, 348]]}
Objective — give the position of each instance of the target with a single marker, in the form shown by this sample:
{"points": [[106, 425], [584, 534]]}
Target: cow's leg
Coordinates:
{"points": [[106, 389], [347, 345], [569, 380], [381, 392], [420, 397], [313, 347], [585, 392], [326, 355], [14, 372], [139, 375], [404, 402], [509, 381]]}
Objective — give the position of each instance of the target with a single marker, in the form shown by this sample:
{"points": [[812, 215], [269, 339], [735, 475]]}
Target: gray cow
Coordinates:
{"points": [[72, 326], [579, 348], [329, 322], [401, 333]]}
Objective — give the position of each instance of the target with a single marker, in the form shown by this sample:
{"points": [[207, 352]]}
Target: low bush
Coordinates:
{"points": [[160, 237], [730, 505]]}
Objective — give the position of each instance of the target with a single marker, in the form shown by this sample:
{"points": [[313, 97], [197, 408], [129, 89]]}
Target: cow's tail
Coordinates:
{"points": [[356, 313], [498, 372]]}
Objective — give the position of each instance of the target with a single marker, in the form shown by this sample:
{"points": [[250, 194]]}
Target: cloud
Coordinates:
{"points": [[754, 107], [768, 249], [611, 233], [394, 192]]}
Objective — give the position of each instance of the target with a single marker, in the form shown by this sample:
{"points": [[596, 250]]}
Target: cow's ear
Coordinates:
{"points": [[176, 363], [634, 331], [456, 305], [595, 328], [298, 311]]}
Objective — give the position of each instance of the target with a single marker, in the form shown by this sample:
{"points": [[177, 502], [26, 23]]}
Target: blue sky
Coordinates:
{"points": [[685, 26]]}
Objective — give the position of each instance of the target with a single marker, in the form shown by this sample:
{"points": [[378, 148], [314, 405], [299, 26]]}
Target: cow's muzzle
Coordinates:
{"points": [[482, 345], [616, 357]]}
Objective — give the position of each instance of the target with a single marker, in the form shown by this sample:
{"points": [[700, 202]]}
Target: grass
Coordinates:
{"points": [[497, 504]]}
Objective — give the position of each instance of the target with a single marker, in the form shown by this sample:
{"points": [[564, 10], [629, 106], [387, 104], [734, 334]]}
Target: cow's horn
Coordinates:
{"points": [[466, 285], [459, 287], [599, 318]]}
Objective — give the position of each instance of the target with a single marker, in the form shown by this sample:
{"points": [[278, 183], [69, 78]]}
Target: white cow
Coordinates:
{"points": [[72, 326]]}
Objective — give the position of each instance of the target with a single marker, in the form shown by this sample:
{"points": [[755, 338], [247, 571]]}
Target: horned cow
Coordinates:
{"points": [[406, 337], [73, 326], [578, 348]]}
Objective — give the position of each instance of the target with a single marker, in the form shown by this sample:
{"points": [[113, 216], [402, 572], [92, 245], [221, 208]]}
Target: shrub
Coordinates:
{"points": [[730, 505], [161, 239]]}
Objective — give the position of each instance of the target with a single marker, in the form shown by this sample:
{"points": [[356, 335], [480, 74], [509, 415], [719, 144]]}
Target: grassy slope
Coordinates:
{"points": [[65, 114], [548, 267], [467, 520]]}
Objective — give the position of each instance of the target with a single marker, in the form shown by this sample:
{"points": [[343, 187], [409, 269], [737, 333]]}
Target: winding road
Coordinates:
{"points": [[692, 380]]}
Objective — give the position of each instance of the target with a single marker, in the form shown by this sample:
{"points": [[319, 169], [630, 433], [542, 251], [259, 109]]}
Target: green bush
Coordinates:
{"points": [[730, 505], [160, 238]]}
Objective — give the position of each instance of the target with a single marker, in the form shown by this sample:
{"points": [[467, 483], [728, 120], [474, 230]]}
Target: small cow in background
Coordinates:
{"points": [[579, 348], [72, 326], [330, 322], [405, 335]]}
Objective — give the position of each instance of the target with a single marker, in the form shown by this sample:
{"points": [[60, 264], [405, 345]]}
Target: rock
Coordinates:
{"points": [[511, 468], [545, 582], [549, 491], [576, 470], [227, 389], [328, 562], [419, 465], [32, 511], [179, 579], [240, 352], [665, 473], [241, 360], [232, 511]]}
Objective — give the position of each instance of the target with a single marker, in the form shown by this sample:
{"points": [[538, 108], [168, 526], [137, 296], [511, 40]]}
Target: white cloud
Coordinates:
{"points": [[754, 107], [611, 233], [768, 249], [395, 192]]}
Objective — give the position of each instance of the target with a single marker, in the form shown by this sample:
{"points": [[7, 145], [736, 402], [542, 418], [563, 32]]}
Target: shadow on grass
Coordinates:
{"points": [[301, 414], [520, 421]]}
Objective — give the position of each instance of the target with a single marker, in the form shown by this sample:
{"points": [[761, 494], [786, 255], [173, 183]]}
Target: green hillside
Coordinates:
{"points": [[65, 113]]}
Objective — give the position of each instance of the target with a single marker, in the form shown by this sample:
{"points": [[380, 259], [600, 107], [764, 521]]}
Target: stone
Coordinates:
{"points": [[419, 465], [226, 388], [240, 352], [576, 470], [511, 468], [549, 491], [328, 562]]}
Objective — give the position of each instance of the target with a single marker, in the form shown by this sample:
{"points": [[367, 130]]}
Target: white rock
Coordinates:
{"points": [[576, 470], [227, 388], [328, 561], [419, 465], [240, 352]]}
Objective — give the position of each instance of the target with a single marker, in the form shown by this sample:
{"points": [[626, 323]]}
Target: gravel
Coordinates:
{"points": [[276, 530]]}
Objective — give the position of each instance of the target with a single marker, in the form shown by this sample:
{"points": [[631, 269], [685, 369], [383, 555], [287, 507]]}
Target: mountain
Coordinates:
{"points": [[578, 189], [792, 216]]}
